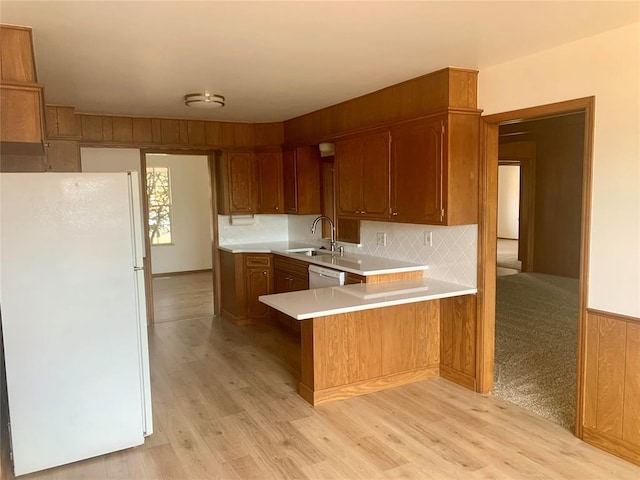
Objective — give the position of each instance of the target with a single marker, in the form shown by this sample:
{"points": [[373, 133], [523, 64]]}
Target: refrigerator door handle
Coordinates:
{"points": [[138, 269]]}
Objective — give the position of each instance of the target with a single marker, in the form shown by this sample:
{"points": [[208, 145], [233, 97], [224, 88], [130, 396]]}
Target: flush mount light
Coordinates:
{"points": [[204, 100]]}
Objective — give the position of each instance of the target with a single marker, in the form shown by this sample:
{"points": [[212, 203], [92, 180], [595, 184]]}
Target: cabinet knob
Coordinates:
{"points": [[394, 214], [277, 208], [264, 273]]}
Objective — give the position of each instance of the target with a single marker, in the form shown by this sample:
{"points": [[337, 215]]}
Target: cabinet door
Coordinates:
{"points": [[21, 120], [307, 179], [417, 152], [289, 179], [63, 156], [362, 166], [259, 281], [375, 174], [239, 184], [349, 179], [282, 281], [270, 182]]}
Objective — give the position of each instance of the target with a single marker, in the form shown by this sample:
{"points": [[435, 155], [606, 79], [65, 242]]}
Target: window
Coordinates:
{"points": [[159, 195]]}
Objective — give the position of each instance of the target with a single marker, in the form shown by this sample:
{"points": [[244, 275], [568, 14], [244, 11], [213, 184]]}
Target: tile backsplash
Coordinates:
{"points": [[452, 257], [265, 228]]}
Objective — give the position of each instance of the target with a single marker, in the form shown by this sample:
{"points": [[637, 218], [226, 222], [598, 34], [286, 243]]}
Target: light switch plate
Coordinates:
{"points": [[428, 239], [381, 239]]}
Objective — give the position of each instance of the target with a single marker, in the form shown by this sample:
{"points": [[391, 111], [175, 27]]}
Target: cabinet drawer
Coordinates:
{"points": [[257, 260], [291, 265]]}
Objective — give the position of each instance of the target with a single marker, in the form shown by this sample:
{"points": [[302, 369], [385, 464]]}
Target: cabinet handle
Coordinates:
{"points": [[394, 214]]}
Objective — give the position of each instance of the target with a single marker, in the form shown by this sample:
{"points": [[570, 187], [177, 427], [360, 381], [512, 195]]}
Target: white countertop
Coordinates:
{"points": [[319, 302], [359, 264]]}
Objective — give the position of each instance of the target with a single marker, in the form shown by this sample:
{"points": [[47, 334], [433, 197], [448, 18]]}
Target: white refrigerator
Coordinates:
{"points": [[72, 306]]}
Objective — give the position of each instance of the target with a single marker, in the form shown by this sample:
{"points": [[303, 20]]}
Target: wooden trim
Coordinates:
{"points": [[148, 279], [462, 379], [614, 316], [487, 226], [618, 447], [364, 387], [540, 112], [487, 233], [176, 274], [215, 253], [585, 247]]}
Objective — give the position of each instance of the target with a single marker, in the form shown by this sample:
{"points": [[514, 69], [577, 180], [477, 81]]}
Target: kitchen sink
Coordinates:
{"points": [[309, 251]]}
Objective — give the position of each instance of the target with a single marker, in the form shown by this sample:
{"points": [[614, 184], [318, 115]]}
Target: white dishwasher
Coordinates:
{"points": [[324, 277]]}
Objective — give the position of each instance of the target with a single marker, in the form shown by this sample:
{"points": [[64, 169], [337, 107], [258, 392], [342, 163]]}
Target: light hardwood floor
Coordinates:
{"points": [[177, 297], [225, 406]]}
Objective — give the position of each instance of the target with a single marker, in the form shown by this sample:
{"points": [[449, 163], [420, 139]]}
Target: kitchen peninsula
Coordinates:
{"points": [[358, 339], [377, 334]]}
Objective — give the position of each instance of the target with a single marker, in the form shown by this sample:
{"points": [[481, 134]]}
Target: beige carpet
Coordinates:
{"points": [[536, 344]]}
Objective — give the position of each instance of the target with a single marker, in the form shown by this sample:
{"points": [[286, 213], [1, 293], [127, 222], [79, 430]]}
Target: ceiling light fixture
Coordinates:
{"points": [[204, 100]]}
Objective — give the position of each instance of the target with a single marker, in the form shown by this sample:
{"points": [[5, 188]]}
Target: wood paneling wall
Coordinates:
{"points": [[436, 91], [612, 384], [458, 340], [171, 133], [356, 353]]}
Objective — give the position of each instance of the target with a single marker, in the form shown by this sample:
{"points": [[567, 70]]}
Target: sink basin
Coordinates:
{"points": [[309, 251]]}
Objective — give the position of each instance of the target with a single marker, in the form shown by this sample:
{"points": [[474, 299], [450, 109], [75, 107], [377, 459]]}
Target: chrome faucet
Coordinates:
{"points": [[333, 230]]}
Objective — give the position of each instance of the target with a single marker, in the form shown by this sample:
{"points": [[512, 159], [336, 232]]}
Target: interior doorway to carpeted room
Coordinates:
{"points": [[538, 265]]}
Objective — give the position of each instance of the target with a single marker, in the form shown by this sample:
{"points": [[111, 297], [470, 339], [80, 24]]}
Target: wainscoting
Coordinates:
{"points": [[612, 384]]}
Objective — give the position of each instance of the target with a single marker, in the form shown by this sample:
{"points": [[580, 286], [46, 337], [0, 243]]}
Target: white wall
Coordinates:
{"points": [[508, 201], [190, 215], [106, 160], [607, 67]]}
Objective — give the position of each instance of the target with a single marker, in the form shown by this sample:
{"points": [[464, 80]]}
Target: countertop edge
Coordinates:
{"points": [[281, 251], [455, 292]]}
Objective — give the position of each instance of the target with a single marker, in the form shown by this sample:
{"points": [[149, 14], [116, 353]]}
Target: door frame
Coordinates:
{"points": [[487, 234], [215, 256]]}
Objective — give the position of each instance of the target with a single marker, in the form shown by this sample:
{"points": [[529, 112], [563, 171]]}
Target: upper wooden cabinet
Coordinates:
{"points": [[237, 183], [416, 172], [21, 117], [434, 170], [270, 197], [362, 176], [301, 177], [16, 55]]}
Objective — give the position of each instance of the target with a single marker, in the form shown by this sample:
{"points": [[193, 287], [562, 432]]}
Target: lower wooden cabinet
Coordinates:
{"points": [[290, 275], [245, 276], [258, 277]]}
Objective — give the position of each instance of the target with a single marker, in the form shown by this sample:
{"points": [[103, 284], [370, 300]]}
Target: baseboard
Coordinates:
{"points": [[186, 272], [615, 446], [364, 387], [462, 379]]}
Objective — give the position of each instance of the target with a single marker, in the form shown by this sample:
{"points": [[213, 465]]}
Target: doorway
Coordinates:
{"points": [[537, 309], [508, 261], [555, 262], [179, 220]]}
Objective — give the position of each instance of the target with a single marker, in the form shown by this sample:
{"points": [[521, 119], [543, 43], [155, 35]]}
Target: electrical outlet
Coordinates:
{"points": [[381, 239], [428, 239]]}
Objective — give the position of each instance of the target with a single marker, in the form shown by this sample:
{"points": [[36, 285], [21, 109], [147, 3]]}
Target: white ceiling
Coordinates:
{"points": [[277, 60]]}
